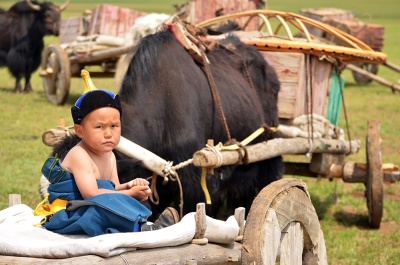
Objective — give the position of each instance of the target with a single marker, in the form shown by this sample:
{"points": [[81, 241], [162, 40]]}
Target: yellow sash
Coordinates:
{"points": [[47, 209]]}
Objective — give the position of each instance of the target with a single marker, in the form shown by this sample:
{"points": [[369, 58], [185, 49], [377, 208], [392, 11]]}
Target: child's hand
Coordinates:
{"points": [[141, 193], [137, 182], [140, 182]]}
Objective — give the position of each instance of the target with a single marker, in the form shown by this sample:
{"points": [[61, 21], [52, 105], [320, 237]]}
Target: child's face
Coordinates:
{"points": [[100, 130]]}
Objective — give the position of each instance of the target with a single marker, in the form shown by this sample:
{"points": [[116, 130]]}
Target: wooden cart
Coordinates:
{"points": [[305, 89], [95, 39], [369, 33]]}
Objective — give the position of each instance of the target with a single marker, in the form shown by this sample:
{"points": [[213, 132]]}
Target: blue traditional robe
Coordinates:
{"points": [[100, 214]]}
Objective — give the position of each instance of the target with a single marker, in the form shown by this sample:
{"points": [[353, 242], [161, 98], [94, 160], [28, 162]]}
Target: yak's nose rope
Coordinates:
{"points": [[169, 173]]}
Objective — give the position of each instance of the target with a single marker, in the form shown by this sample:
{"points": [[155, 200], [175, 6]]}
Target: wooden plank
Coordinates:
{"points": [[201, 10], [70, 29], [240, 218], [292, 244], [14, 199], [201, 223], [112, 20], [204, 254], [293, 75], [273, 233], [290, 69], [320, 75]]}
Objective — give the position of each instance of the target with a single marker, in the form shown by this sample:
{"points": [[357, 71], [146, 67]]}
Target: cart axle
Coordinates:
{"points": [[350, 172]]}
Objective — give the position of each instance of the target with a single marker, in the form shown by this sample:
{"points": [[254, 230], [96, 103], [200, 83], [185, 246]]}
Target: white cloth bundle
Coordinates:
{"points": [[18, 237]]}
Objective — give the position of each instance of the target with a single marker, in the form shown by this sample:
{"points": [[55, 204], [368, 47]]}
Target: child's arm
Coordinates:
{"points": [[80, 164]]}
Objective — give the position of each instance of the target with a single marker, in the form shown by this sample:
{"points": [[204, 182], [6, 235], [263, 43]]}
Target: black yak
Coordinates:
{"points": [[169, 109], [22, 29]]}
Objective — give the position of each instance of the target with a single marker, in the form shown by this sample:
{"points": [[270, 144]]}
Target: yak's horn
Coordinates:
{"points": [[33, 6], [64, 6]]}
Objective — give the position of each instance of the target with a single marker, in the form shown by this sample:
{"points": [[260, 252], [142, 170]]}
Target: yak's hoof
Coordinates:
{"points": [[28, 90], [17, 90]]}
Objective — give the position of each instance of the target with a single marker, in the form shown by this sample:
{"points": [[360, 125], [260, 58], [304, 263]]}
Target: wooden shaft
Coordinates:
{"points": [[100, 55], [350, 172], [376, 78], [392, 66], [274, 148], [150, 160]]}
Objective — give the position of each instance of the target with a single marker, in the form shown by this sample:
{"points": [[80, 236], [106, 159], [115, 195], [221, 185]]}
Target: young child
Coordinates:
{"points": [[86, 181]]}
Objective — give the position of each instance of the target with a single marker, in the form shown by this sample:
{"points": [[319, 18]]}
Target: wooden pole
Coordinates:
{"points": [[376, 78], [392, 66], [100, 55], [276, 147]]}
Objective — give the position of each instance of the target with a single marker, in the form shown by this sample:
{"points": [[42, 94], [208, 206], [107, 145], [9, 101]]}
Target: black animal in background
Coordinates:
{"points": [[22, 28]]}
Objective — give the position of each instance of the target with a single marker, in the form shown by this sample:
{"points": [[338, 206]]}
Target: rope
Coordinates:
{"points": [[216, 98], [203, 183], [154, 198], [309, 104], [244, 64], [169, 173], [180, 195], [124, 259], [345, 114], [216, 151], [312, 101]]}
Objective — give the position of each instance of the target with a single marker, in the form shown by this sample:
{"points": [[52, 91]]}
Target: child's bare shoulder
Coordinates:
{"points": [[76, 156]]}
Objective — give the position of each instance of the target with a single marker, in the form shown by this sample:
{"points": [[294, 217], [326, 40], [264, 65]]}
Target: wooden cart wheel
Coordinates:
{"points": [[56, 74], [289, 200], [362, 79], [374, 185]]}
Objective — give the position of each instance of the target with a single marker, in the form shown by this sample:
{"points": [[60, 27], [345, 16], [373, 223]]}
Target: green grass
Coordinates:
{"points": [[344, 221]]}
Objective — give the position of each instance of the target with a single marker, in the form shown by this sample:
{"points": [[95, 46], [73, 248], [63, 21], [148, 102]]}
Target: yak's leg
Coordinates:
{"points": [[28, 87], [18, 87]]}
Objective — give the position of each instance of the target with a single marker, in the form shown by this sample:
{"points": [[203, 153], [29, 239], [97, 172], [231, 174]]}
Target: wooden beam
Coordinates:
{"points": [[376, 78], [273, 148]]}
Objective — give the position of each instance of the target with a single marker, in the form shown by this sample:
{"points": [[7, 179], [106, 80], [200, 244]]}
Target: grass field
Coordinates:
{"points": [[341, 207]]}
